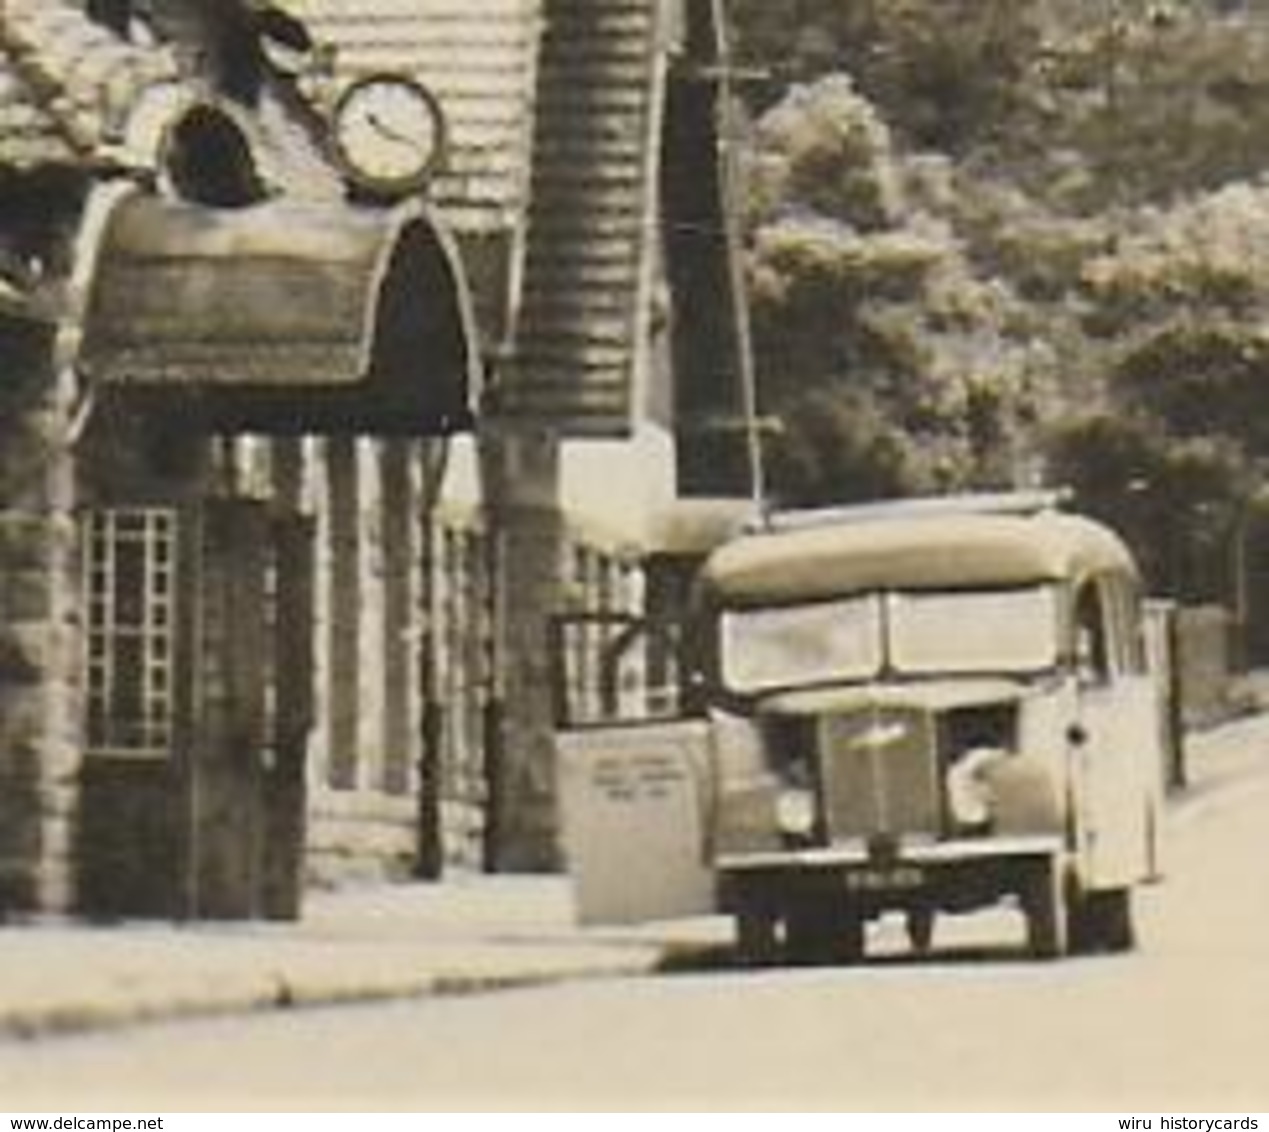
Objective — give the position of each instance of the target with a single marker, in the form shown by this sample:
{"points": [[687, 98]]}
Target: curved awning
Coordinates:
{"points": [[281, 317]]}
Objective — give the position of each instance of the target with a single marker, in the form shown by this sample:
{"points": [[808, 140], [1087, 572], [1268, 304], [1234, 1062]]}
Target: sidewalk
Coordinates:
{"points": [[461, 936], [1231, 756], [465, 935]]}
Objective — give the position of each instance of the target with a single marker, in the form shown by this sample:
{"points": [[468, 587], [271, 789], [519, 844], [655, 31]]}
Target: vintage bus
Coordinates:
{"points": [[921, 708]]}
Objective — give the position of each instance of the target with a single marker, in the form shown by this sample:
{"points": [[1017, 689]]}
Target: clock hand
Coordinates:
{"points": [[387, 130]]}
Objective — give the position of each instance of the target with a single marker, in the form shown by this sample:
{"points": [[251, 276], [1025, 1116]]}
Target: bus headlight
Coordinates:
{"points": [[795, 811], [969, 792]]}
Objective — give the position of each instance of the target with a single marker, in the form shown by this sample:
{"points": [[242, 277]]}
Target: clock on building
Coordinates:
{"points": [[388, 134]]}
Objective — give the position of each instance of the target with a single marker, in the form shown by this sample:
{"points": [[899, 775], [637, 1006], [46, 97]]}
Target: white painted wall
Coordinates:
{"points": [[613, 490]]}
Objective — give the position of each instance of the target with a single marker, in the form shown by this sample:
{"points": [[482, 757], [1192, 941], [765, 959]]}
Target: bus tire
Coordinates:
{"points": [[920, 926], [1108, 921], [756, 944], [1047, 909]]}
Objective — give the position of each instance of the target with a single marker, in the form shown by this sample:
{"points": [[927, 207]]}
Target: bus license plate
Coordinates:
{"points": [[903, 877]]}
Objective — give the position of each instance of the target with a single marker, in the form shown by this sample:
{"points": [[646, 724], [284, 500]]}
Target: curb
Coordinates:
{"points": [[281, 993]]}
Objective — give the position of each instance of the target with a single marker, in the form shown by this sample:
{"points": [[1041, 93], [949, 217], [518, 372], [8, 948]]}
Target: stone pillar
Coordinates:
{"points": [[528, 540], [39, 659]]}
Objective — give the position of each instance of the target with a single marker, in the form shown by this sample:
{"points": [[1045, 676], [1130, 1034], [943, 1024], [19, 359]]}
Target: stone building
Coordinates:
{"points": [[294, 474]]}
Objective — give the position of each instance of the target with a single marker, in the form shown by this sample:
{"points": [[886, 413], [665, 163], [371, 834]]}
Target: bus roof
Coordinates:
{"points": [[915, 552]]}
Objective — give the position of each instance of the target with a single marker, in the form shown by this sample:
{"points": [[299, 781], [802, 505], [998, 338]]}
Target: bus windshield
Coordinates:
{"points": [[791, 645], [849, 640], [974, 631]]}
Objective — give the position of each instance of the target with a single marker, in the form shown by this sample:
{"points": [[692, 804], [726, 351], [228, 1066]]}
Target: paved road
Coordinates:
{"points": [[1182, 1025]]}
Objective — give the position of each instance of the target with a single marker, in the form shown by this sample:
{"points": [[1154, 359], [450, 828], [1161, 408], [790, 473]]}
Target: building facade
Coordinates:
{"points": [[295, 477]]}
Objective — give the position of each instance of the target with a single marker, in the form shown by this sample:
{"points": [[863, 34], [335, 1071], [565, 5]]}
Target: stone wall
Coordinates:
{"points": [[360, 836], [39, 697]]}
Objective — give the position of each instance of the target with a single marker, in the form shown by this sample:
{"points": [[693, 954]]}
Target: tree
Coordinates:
{"points": [[1175, 502], [1177, 307], [964, 274], [1085, 103], [920, 59], [1183, 302], [862, 292]]}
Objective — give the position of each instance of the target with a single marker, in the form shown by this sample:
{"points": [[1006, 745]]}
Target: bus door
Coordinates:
{"points": [[1117, 745]]}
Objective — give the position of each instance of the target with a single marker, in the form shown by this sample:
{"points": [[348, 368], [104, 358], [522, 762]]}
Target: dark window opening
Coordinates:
{"points": [[210, 161]]}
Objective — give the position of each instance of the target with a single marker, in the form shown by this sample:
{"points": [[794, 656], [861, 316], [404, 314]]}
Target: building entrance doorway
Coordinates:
{"points": [[198, 642]]}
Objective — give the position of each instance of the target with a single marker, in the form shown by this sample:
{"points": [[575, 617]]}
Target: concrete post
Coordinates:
{"points": [[528, 537]]}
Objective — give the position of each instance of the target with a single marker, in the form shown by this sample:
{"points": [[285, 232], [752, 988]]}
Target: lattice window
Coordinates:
{"points": [[130, 591]]}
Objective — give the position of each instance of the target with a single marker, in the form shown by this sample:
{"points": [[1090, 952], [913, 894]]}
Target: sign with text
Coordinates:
{"points": [[633, 808]]}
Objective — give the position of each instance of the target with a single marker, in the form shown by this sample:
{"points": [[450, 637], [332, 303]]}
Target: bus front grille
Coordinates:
{"points": [[879, 774]]}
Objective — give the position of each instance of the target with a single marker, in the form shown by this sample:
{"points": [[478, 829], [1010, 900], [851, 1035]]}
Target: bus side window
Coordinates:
{"points": [[1092, 656], [1128, 629]]}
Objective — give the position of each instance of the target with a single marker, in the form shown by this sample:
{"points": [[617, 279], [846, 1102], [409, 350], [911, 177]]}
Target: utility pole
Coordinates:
{"points": [[732, 209]]}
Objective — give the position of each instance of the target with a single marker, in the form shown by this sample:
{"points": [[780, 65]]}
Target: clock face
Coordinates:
{"points": [[388, 133]]}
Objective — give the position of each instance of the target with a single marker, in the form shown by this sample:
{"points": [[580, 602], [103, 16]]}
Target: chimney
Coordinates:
{"points": [[215, 39], [112, 14]]}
